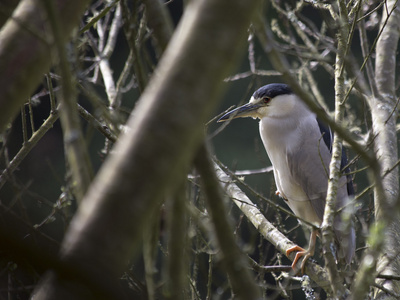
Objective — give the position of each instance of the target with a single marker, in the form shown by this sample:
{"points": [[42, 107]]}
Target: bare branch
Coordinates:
{"points": [[335, 164], [149, 157], [27, 147], [269, 231]]}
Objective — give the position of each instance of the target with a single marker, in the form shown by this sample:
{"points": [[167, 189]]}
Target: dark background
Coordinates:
{"points": [[238, 146]]}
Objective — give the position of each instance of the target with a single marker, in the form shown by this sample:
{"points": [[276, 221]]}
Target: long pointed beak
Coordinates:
{"points": [[240, 112]]}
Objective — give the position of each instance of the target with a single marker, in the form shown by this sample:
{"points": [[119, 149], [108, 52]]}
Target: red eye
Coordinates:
{"points": [[266, 100]]}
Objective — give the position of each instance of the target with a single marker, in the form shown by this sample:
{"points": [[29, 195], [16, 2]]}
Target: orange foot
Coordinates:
{"points": [[300, 252]]}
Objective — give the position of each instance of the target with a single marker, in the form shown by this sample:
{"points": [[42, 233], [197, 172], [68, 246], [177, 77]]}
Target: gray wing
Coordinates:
{"points": [[309, 167]]}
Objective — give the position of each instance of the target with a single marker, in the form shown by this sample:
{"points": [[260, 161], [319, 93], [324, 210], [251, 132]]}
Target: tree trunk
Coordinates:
{"points": [[384, 116]]}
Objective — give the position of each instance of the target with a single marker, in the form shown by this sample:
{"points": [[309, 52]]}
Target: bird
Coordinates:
{"points": [[299, 147]]}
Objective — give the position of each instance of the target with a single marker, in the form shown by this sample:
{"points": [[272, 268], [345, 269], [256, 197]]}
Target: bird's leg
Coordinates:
{"points": [[302, 252]]}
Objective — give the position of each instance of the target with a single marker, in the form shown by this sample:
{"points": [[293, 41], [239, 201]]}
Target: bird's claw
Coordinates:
{"points": [[300, 253]]}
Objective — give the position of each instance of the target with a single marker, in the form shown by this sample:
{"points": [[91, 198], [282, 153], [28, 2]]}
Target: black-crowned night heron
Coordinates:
{"points": [[299, 147]]}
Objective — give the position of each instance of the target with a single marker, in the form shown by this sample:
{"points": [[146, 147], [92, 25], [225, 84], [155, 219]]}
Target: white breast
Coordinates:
{"points": [[281, 136]]}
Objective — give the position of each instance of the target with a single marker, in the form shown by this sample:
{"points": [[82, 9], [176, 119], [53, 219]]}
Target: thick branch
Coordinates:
{"points": [[25, 51], [384, 240], [165, 131], [161, 23], [384, 116], [177, 263]]}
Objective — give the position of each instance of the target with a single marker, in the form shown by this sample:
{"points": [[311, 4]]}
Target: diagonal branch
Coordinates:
{"points": [[147, 162], [269, 231]]}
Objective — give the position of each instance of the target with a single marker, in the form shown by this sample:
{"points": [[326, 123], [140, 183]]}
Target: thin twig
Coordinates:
{"points": [[97, 17], [269, 269], [371, 12], [24, 125], [27, 147], [103, 129], [51, 93], [32, 122]]}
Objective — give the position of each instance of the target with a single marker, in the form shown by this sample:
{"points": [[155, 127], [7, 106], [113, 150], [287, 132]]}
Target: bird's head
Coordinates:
{"points": [[272, 100]]}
